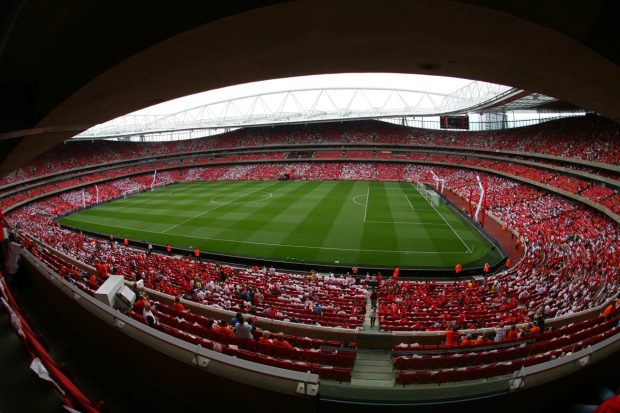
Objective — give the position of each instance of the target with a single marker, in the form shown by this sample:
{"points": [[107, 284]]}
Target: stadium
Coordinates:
{"points": [[344, 246]]}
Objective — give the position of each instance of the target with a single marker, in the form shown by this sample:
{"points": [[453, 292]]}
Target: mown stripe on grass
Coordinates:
{"points": [[317, 221], [346, 229], [283, 226]]}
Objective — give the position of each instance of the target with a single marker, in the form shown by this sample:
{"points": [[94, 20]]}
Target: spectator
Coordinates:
{"points": [[177, 305], [279, 340], [236, 320], [483, 340], [452, 336], [373, 317], [264, 338], [11, 259], [223, 328], [468, 340], [243, 330], [373, 298], [149, 317], [512, 333], [318, 309], [500, 334]]}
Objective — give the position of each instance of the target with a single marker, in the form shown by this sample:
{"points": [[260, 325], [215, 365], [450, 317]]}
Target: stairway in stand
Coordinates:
{"points": [[373, 369]]}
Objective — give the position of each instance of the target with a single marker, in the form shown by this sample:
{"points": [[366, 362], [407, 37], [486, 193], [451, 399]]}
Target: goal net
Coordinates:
{"points": [[431, 196]]}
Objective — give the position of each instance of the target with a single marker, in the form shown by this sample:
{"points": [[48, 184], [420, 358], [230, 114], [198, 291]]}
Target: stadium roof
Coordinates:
{"points": [[316, 99], [64, 70]]}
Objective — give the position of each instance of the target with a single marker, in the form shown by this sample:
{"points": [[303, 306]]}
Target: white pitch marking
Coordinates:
{"points": [[265, 197], [407, 222], [367, 200], [444, 220], [145, 198], [213, 209], [281, 245], [355, 200], [407, 198]]}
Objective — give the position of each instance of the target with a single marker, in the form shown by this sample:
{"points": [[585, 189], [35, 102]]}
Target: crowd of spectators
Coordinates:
{"points": [[570, 265], [587, 138], [571, 261], [277, 295], [500, 192], [357, 171], [571, 258]]}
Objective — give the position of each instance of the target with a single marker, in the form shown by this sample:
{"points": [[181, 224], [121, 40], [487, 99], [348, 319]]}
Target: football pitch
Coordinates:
{"points": [[369, 224]]}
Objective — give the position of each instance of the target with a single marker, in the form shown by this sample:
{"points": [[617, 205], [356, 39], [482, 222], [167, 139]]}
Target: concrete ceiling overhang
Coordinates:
{"points": [[81, 66]]}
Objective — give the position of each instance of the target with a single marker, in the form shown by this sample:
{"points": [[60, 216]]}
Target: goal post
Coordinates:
{"points": [[430, 195]]}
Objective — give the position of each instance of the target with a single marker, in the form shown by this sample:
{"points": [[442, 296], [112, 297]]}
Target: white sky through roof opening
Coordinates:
{"points": [[305, 99], [439, 84]]}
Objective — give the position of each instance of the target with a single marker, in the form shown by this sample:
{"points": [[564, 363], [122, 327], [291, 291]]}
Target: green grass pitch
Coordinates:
{"points": [[380, 224]]}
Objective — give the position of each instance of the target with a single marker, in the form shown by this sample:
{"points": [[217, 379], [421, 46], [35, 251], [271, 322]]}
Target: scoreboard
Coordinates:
{"points": [[454, 122]]}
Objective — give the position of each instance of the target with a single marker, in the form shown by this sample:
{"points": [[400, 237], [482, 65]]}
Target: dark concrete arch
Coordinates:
{"points": [[441, 37]]}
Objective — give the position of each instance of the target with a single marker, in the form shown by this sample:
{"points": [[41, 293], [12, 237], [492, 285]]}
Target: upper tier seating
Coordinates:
{"points": [[587, 138]]}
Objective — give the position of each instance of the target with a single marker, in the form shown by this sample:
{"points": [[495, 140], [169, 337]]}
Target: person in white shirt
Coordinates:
{"points": [[149, 317]]}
